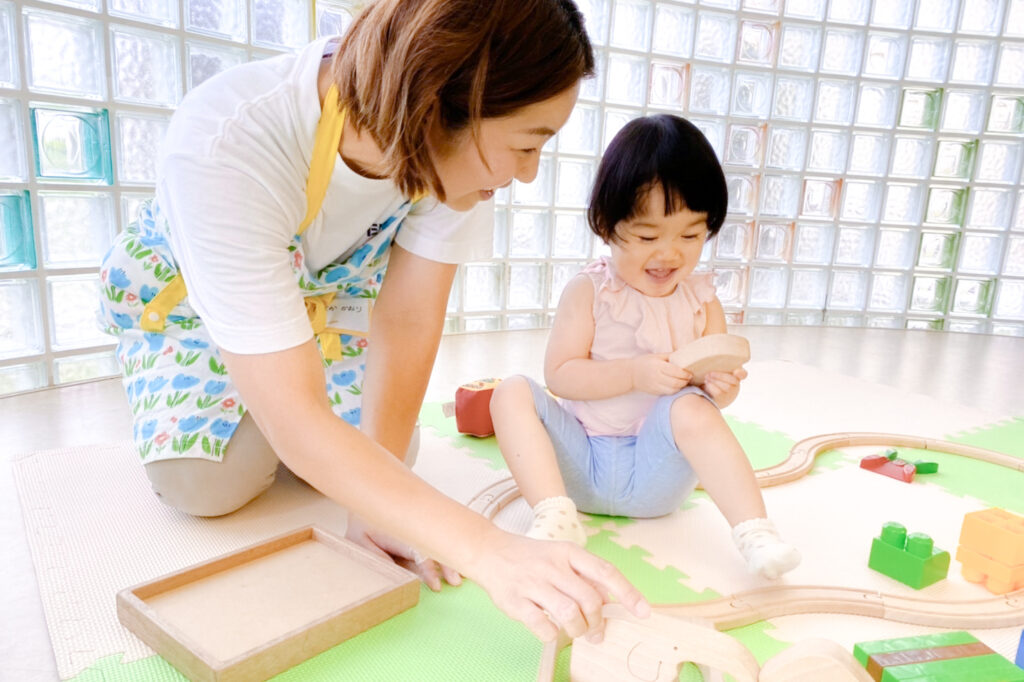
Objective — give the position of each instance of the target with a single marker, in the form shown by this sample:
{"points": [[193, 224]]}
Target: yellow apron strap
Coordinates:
{"points": [[154, 315]]}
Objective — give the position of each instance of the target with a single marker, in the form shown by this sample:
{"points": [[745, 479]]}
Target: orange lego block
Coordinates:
{"points": [[995, 533], [997, 577]]}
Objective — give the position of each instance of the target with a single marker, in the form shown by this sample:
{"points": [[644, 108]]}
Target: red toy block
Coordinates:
{"points": [[899, 469], [473, 407]]}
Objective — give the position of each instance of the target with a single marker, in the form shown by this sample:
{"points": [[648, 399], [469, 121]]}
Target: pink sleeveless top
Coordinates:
{"points": [[626, 324]]}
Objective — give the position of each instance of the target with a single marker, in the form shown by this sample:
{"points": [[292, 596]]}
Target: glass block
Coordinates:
{"points": [[499, 242], [934, 324], [809, 288], [930, 294], [860, 201], [848, 289], [12, 142], [828, 151], [572, 236], [812, 243], [631, 24], [805, 319], [972, 62], [627, 79], [884, 322], [138, 141], [763, 6], [981, 253], [85, 367], [1015, 19], [999, 162], [65, 54], [757, 43], [161, 12], [805, 9], [1014, 264], [595, 14], [1006, 115], [87, 5], [893, 14], [17, 244], [1018, 221], [849, 11], [786, 148], [454, 297], [502, 195], [72, 143], [967, 326], [524, 321], [888, 292], [877, 104], [731, 285], [799, 47], [920, 108], [742, 192], [724, 4], [955, 159], [146, 67], [574, 181], [990, 208], [714, 133], [835, 102], [20, 322], [18, 378], [130, 205], [897, 248], [1010, 299], [984, 17], [673, 30], [885, 55], [821, 198], [745, 145], [482, 323], [768, 287], [526, 285], [929, 59], [774, 241], [855, 246], [963, 112], [716, 37], [841, 51], [614, 120], [221, 18], [1010, 71], [938, 250], [333, 17], [780, 196], [764, 317], [561, 273], [734, 241], [592, 89], [8, 47], [281, 24], [204, 60], [936, 15], [709, 90], [903, 204], [911, 157], [668, 85], [946, 205], [76, 227], [73, 312], [752, 94], [483, 287], [582, 131], [529, 235], [869, 154], [793, 98]]}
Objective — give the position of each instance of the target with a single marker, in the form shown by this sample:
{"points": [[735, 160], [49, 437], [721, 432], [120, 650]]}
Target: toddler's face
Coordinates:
{"points": [[654, 251]]}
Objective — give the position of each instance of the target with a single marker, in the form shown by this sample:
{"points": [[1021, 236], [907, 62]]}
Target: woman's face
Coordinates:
{"points": [[509, 149]]}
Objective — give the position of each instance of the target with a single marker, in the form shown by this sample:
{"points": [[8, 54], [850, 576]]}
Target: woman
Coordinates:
{"points": [[243, 295]]}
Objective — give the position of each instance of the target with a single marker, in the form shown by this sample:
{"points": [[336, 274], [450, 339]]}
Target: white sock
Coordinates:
{"points": [[554, 518], [766, 554]]}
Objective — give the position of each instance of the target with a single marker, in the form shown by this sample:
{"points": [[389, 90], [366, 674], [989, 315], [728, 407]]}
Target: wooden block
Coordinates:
{"points": [[712, 353], [813, 660], [261, 610]]}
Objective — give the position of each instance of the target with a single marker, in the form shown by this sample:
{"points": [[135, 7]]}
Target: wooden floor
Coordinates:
{"points": [[980, 371]]}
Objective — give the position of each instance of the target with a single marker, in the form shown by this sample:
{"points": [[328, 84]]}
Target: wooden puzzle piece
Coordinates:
{"points": [[712, 353]]}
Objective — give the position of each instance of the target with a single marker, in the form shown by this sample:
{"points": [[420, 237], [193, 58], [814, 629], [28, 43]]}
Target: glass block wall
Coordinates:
{"points": [[873, 151]]}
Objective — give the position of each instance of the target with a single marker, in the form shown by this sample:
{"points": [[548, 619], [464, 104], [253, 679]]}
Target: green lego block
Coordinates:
{"points": [[865, 650], [911, 559], [924, 467], [988, 668]]}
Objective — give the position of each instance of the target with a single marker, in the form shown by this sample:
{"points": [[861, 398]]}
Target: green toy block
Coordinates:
{"points": [[891, 454], [911, 559], [924, 467], [940, 657], [864, 650], [989, 668]]}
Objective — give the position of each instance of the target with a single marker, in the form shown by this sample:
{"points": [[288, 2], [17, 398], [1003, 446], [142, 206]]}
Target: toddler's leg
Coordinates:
{"points": [[530, 455], [706, 441]]}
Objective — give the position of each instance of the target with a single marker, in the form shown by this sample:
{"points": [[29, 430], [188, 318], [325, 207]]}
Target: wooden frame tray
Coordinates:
{"points": [[263, 609]]}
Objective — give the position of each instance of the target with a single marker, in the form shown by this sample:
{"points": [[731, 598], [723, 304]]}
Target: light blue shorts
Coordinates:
{"points": [[640, 476]]}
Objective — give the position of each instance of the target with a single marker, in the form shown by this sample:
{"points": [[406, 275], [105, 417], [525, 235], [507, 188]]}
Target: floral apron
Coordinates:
{"points": [[183, 403]]}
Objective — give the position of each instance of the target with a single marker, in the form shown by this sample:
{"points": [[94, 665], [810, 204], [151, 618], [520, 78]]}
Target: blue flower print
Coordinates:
{"points": [[155, 341], [192, 423], [336, 273], [175, 318], [223, 428], [194, 343], [148, 429], [140, 385], [156, 383], [359, 257], [118, 278], [214, 387], [344, 378], [382, 248], [136, 347], [183, 381], [147, 293], [345, 339], [352, 416], [123, 321], [150, 238]]}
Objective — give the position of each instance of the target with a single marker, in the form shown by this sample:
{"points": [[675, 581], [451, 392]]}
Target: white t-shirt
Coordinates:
{"points": [[232, 175]]}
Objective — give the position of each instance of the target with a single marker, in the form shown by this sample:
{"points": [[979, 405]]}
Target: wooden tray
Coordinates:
{"points": [[261, 610]]}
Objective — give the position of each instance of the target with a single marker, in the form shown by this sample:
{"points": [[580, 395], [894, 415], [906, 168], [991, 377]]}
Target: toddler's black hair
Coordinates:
{"points": [[655, 150]]}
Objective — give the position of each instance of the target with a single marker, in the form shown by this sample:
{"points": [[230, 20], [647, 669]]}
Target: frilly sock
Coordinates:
{"points": [[555, 518], [766, 554]]}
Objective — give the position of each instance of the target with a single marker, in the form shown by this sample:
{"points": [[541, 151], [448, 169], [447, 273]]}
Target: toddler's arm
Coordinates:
{"points": [[724, 387]]}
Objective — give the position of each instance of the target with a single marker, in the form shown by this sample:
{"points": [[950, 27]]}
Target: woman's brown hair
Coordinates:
{"points": [[406, 68]]}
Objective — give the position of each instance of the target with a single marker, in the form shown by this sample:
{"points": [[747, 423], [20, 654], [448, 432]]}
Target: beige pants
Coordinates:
{"points": [[202, 487]]}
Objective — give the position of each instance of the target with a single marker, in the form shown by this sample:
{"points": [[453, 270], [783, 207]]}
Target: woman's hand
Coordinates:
{"points": [[385, 546], [654, 373], [551, 585], [724, 386]]}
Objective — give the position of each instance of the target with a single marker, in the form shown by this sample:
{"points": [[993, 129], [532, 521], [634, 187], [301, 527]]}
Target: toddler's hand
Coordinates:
{"points": [[724, 386], [655, 374]]}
